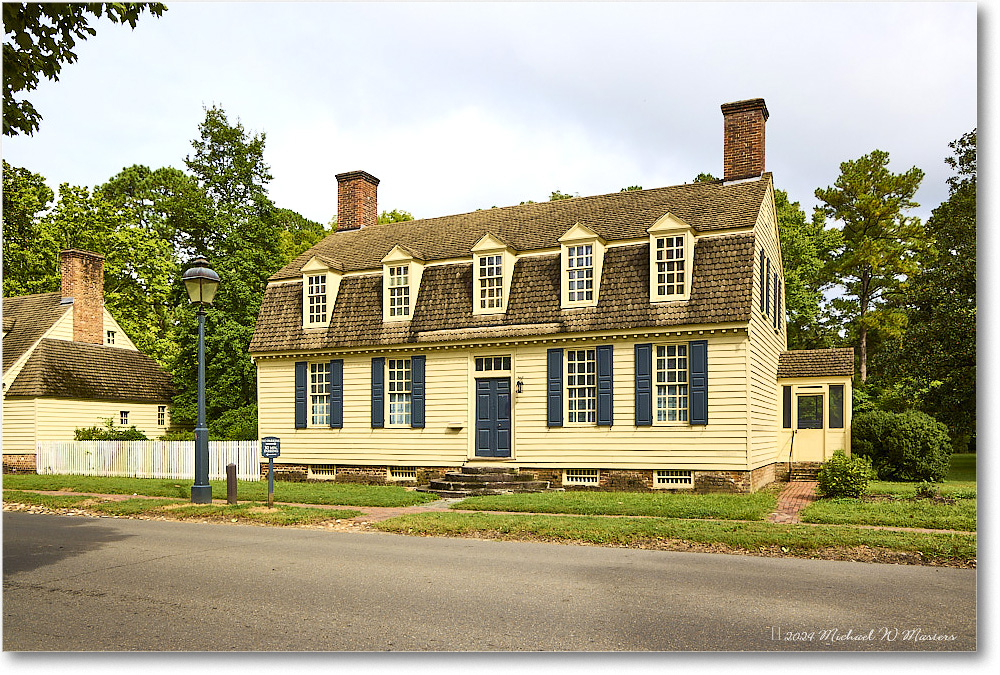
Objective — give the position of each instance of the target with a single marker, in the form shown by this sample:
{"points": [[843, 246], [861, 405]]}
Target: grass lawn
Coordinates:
{"points": [[665, 505], [900, 509], [343, 494], [791, 539], [183, 510]]}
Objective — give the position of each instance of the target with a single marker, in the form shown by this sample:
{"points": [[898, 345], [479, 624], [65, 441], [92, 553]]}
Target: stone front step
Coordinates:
{"points": [[510, 486], [461, 494], [482, 477]]}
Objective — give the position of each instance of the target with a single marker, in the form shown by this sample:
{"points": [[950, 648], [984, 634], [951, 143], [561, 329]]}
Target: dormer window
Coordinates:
{"points": [[399, 291], [320, 283], [580, 273], [401, 273], [317, 297], [671, 257], [492, 269], [490, 282], [582, 262]]}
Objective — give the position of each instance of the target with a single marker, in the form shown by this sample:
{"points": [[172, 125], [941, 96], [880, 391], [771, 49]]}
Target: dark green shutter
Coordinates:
{"points": [[644, 385], [836, 406], [337, 394], [763, 279], [301, 378], [698, 382], [554, 393], [378, 392], [605, 386], [786, 407], [767, 290], [417, 368]]}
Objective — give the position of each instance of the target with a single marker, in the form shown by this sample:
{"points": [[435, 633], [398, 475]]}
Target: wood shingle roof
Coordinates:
{"points": [[78, 370], [837, 362], [706, 207], [25, 319]]}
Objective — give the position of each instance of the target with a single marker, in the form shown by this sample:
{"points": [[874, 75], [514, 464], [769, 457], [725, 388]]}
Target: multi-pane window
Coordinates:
{"points": [[317, 298], [491, 281], [810, 411], [581, 384], [161, 415], [670, 266], [319, 393], [400, 390], [580, 272], [110, 339], [671, 383], [123, 417], [399, 290], [484, 363]]}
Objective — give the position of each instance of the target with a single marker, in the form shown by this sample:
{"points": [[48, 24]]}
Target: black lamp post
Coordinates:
{"points": [[201, 283]]}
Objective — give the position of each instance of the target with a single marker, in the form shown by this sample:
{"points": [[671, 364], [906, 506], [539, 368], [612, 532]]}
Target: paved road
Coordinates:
{"points": [[73, 583]]}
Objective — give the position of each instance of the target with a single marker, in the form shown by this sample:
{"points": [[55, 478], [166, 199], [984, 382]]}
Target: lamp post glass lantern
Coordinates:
{"points": [[201, 283]]}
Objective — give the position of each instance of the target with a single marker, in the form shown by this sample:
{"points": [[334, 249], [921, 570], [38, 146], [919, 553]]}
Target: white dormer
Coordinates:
{"points": [[671, 259], [320, 283], [401, 272], [581, 264], [492, 269]]}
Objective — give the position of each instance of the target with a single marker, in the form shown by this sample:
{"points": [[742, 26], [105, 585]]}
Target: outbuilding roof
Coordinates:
{"points": [[26, 318], [837, 362], [78, 370]]}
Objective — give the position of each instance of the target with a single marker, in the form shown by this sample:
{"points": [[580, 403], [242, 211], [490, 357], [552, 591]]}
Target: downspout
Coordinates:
{"points": [[790, 451]]}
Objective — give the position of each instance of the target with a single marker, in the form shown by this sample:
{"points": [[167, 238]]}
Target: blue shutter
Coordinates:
{"points": [[644, 385], [605, 386], [698, 382], [781, 312], [378, 392], [554, 403], [301, 377], [417, 368], [763, 280], [337, 394], [767, 289]]}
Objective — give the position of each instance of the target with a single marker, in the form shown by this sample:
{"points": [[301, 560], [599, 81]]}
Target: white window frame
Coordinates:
{"points": [[399, 392], [123, 417], [574, 388], [671, 227], [319, 394], [580, 237], [662, 384], [316, 271], [161, 415], [398, 264], [581, 477], [109, 337], [491, 247], [316, 293]]}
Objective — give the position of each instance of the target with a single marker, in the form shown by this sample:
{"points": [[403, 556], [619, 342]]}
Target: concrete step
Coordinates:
{"points": [[488, 469], [462, 494]]}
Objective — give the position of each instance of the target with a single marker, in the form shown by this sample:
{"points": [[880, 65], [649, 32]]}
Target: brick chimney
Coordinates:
{"points": [[743, 156], [83, 280], [357, 202]]}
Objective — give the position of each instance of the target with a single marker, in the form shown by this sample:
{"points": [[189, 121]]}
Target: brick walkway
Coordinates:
{"points": [[796, 496]]}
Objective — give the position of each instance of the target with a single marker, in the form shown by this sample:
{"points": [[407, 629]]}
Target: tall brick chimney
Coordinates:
{"points": [[743, 156], [83, 280], [357, 200]]}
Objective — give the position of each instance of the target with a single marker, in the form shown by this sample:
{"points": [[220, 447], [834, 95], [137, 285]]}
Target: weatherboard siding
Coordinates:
{"points": [[450, 398], [58, 418], [18, 426], [766, 345]]}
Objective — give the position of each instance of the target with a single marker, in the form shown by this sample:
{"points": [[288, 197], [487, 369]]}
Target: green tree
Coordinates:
{"points": [[298, 233], [705, 178], [557, 195], [26, 197], [395, 216], [806, 247], [880, 243], [935, 359], [39, 38], [631, 188]]}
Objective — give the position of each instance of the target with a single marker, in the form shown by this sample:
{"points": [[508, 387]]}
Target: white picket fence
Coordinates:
{"points": [[146, 459]]}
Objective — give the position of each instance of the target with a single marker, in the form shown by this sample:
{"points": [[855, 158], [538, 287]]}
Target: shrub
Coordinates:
{"points": [[235, 425], [109, 432], [909, 446], [843, 476]]}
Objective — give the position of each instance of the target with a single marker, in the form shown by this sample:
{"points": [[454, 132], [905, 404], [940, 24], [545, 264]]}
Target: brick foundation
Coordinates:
{"points": [[611, 480], [19, 464]]}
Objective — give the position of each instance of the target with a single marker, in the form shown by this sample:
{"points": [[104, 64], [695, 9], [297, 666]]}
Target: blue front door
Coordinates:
{"points": [[493, 417]]}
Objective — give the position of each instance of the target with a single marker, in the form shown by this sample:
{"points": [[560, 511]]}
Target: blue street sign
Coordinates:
{"points": [[270, 446]]}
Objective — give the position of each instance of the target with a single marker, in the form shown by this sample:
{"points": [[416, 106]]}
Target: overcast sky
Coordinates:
{"points": [[462, 106]]}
